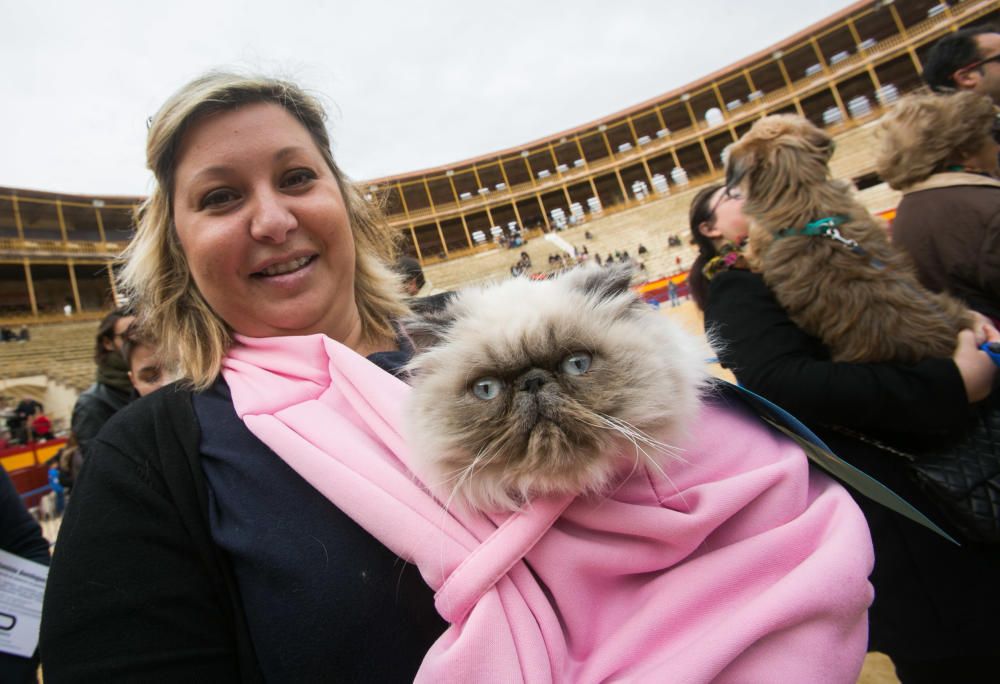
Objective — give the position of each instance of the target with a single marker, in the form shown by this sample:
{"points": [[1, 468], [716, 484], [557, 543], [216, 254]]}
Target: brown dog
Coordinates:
{"points": [[847, 285]]}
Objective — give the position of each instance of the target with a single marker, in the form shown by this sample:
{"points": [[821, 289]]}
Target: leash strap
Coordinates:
{"points": [[821, 455]]}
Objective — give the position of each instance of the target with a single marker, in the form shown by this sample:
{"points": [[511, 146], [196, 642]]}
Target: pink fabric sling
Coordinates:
{"points": [[744, 567]]}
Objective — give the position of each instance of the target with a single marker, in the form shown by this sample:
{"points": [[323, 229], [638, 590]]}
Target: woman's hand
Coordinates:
{"points": [[983, 328], [975, 365]]}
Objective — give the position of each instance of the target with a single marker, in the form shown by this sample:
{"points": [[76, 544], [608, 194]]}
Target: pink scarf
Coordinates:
{"points": [[746, 566]]}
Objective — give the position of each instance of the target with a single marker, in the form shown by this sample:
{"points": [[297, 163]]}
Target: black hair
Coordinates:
{"points": [[950, 54], [701, 212], [410, 269], [106, 331]]}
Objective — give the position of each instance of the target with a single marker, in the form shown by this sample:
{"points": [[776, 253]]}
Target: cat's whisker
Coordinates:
{"points": [[628, 429]]}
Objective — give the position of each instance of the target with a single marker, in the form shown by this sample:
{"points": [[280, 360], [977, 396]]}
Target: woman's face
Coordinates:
{"points": [[727, 222], [263, 225]]}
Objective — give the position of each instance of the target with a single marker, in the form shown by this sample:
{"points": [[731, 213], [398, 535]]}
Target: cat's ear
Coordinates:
{"points": [[603, 282], [425, 328]]}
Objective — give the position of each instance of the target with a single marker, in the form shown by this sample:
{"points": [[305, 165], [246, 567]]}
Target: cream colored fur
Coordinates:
{"points": [[862, 313], [573, 434]]}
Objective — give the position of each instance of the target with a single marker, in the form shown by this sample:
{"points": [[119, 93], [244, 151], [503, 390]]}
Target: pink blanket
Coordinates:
{"points": [[746, 566]]}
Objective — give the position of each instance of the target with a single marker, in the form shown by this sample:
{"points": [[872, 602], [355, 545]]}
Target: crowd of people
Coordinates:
{"points": [[208, 549]]}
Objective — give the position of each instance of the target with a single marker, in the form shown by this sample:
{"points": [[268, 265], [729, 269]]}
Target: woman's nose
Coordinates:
{"points": [[272, 219]]}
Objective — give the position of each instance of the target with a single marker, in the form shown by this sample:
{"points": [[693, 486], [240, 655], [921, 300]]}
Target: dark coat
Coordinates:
{"points": [[932, 599], [952, 233], [93, 408], [21, 536], [136, 540]]}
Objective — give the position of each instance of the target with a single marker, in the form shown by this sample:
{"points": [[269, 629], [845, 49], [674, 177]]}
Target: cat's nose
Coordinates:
{"points": [[532, 381]]}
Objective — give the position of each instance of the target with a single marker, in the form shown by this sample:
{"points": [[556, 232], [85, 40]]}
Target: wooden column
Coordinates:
{"points": [[73, 285], [789, 86], [416, 244], [62, 221], [856, 37], [100, 226], [17, 219], [31, 288], [829, 78], [701, 136], [642, 158]]}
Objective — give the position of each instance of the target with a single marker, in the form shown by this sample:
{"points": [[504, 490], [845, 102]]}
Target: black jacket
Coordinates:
{"points": [[932, 599], [93, 408], [21, 536], [135, 542]]}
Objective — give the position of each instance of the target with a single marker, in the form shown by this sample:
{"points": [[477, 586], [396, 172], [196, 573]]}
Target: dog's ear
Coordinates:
{"points": [[821, 140], [742, 158]]}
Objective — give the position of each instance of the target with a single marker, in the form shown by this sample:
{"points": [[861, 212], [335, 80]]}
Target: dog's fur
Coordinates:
{"points": [[862, 313]]}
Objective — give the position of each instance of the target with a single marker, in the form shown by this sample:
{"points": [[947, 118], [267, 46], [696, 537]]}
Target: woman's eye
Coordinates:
{"points": [[217, 197], [486, 388], [577, 364], [298, 177]]}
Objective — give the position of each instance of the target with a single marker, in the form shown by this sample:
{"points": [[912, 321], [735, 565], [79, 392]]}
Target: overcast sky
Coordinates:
{"points": [[409, 85]]}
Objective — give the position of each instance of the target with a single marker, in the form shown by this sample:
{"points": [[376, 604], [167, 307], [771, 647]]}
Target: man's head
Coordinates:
{"points": [[966, 60], [145, 370], [413, 275], [111, 334]]}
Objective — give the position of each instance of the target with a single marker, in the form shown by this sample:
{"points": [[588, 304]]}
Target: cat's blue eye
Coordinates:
{"points": [[486, 388], [577, 364]]}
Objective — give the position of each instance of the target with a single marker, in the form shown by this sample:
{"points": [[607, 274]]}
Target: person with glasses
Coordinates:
{"points": [[719, 229], [966, 60], [941, 153], [935, 602]]}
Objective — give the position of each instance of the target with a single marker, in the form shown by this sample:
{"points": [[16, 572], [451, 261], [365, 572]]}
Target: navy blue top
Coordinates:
{"points": [[325, 601]]}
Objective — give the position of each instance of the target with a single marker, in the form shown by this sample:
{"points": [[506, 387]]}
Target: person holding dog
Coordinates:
{"points": [[934, 602], [940, 151]]}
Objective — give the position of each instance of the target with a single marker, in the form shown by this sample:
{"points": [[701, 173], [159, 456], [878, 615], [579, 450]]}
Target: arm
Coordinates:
{"points": [[770, 355], [131, 594], [87, 420], [19, 533]]}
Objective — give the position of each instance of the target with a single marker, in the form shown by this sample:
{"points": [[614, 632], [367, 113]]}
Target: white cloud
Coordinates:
{"points": [[410, 85]]}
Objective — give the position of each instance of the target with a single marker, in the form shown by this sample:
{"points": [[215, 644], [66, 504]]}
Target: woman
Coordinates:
{"points": [[230, 554], [934, 602], [224, 531], [941, 152]]}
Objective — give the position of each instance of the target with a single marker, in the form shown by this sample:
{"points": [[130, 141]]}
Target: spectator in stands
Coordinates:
{"points": [[20, 535], [935, 603], [966, 60], [940, 152], [112, 390], [20, 423], [145, 369], [186, 522], [24, 335], [642, 249], [41, 426]]}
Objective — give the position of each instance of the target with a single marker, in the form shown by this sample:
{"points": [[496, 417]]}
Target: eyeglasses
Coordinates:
{"points": [[727, 194], [979, 63]]}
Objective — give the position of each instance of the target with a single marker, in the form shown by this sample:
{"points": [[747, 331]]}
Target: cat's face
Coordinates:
{"points": [[528, 388]]}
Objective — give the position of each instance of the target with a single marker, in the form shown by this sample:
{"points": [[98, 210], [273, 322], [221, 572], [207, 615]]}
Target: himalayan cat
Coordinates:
{"points": [[534, 388]]}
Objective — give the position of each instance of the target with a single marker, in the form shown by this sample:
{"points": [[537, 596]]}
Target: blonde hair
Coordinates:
{"points": [[925, 132], [154, 274]]}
